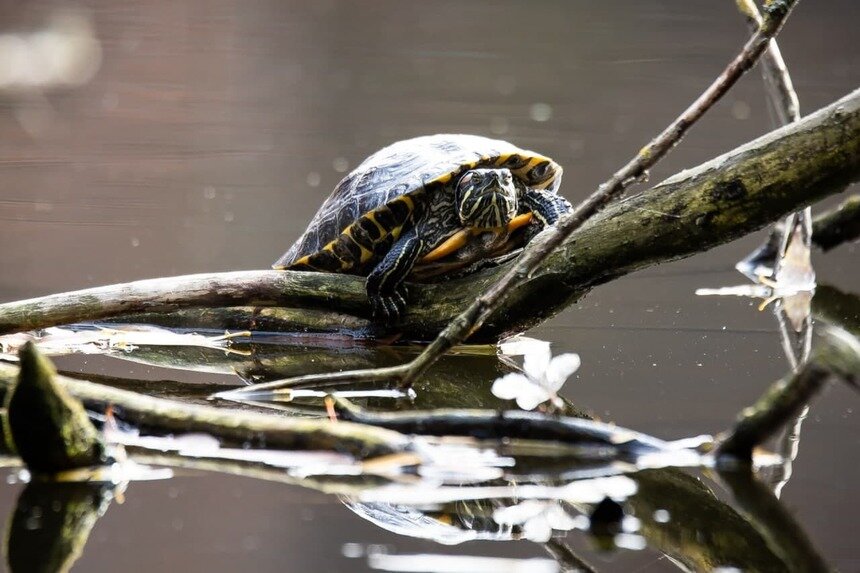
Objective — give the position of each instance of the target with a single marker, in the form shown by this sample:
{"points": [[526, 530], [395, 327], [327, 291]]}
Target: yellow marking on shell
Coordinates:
{"points": [[344, 265], [383, 232], [408, 200], [521, 172], [533, 162], [366, 254], [395, 232], [302, 261]]}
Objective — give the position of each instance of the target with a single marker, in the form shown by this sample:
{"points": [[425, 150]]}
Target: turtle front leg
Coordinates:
{"points": [[385, 287], [547, 207]]}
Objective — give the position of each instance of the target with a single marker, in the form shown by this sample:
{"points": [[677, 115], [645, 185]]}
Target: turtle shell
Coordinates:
{"points": [[372, 206]]}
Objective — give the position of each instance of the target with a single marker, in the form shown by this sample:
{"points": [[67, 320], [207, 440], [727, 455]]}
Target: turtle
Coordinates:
{"points": [[419, 200]]}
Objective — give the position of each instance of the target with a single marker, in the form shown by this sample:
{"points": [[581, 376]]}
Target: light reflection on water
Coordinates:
{"points": [[210, 134]]}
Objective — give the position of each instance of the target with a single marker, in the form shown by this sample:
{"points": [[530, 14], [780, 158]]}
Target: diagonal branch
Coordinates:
{"points": [[473, 317], [480, 310], [780, 88], [695, 210]]}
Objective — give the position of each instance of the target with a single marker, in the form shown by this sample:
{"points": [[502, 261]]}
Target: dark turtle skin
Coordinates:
{"points": [[408, 198]]}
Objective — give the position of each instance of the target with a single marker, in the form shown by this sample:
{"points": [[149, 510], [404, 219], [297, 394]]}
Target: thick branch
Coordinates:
{"points": [[700, 208]]}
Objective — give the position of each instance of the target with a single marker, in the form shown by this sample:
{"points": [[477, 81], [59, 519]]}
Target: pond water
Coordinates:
{"points": [[202, 136]]}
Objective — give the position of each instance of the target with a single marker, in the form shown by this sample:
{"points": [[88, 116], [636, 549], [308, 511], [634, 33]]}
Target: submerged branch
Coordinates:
{"points": [[840, 225], [836, 355], [779, 529], [505, 425], [230, 425]]}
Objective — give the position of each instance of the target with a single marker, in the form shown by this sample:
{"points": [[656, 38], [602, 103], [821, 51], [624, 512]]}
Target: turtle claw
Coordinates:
{"points": [[388, 309]]}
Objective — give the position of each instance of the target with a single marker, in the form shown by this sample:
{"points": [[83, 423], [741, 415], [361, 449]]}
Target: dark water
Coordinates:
{"points": [[211, 131]]}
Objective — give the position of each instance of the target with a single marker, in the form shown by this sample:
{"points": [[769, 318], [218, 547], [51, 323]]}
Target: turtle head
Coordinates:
{"points": [[486, 198]]}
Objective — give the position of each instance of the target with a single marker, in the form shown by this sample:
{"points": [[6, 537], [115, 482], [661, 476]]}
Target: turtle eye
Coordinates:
{"points": [[471, 179], [467, 179]]}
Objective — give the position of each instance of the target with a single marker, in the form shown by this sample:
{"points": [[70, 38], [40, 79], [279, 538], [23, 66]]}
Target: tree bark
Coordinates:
{"points": [[700, 208]]}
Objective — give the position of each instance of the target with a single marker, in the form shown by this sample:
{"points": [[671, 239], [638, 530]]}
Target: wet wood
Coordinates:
{"points": [[231, 425], [836, 355], [48, 428], [781, 532], [837, 226], [714, 203], [597, 438]]}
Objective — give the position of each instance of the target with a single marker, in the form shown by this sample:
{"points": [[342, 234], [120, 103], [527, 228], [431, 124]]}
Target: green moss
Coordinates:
{"points": [[49, 429]]}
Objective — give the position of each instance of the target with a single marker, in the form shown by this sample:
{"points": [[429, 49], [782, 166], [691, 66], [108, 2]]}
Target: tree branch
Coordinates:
{"points": [[697, 209], [229, 425], [840, 225], [537, 251], [837, 355], [777, 80]]}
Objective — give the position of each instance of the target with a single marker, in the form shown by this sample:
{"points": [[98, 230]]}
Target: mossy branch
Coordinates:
{"points": [[230, 425], [700, 208], [48, 428]]}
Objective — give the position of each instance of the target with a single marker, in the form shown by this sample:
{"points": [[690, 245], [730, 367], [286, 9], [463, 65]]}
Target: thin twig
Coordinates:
{"points": [[785, 103], [780, 88], [471, 319]]}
